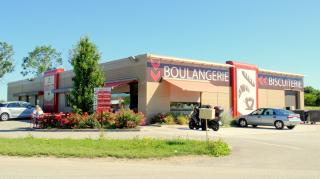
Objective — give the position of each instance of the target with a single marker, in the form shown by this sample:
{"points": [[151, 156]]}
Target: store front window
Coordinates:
{"points": [[182, 108]]}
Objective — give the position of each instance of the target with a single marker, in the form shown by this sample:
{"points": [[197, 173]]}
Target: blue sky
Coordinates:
{"points": [[282, 35]]}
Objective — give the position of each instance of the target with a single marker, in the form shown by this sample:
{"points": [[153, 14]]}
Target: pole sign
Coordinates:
{"points": [[102, 99]]}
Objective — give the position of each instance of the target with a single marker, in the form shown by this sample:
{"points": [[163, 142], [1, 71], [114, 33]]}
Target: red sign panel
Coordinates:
{"points": [[102, 99]]}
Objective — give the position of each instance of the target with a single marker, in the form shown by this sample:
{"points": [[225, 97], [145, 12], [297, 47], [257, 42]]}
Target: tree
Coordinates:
{"points": [[87, 75], [311, 96], [6, 58], [41, 59], [310, 99]]}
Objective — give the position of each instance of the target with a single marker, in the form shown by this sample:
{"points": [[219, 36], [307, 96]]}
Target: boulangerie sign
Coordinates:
{"points": [[157, 68]]}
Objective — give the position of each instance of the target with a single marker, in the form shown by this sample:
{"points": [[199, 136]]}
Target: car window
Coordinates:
{"points": [[285, 112], [24, 105], [269, 112], [13, 105], [2, 105], [257, 112]]}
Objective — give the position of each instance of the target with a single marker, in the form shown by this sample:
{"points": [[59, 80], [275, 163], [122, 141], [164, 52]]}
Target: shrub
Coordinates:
{"points": [[121, 119], [128, 119], [169, 119], [158, 118], [227, 119], [182, 119]]}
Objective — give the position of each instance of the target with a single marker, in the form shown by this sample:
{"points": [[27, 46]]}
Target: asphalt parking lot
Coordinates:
{"points": [[256, 153]]}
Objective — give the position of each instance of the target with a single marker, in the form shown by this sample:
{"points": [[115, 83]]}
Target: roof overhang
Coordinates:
{"points": [[192, 85]]}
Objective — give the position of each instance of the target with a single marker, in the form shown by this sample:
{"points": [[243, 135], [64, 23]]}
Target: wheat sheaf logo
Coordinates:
{"points": [[244, 89], [155, 70]]}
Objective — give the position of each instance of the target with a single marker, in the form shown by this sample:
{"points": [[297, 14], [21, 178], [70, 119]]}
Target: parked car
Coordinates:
{"points": [[270, 117], [15, 109]]}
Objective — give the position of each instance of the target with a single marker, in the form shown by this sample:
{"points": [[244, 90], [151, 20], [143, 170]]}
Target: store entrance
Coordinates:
{"points": [[292, 100], [124, 94]]}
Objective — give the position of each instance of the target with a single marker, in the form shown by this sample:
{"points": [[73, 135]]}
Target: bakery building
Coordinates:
{"points": [[156, 83]]}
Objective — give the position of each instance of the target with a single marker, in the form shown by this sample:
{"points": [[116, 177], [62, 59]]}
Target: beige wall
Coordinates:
{"points": [[62, 103], [271, 98], [220, 98], [159, 96], [276, 98]]}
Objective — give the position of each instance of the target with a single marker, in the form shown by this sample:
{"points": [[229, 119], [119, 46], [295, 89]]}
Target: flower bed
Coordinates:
{"points": [[107, 120], [169, 118]]}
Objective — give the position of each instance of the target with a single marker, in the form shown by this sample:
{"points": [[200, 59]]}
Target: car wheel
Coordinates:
{"points": [[290, 127], [191, 124], [254, 126], [278, 125], [243, 123], [4, 116]]}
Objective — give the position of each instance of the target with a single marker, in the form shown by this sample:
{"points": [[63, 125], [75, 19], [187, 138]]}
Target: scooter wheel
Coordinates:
{"points": [[192, 124], [215, 126]]}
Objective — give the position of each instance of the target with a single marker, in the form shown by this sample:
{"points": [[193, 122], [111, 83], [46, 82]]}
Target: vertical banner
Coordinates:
{"points": [[50, 84], [102, 99], [244, 88]]}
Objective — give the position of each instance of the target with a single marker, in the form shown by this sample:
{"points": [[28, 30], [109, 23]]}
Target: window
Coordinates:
{"points": [[13, 105], [183, 108], [67, 100], [36, 100], [269, 112], [2, 105], [257, 112]]}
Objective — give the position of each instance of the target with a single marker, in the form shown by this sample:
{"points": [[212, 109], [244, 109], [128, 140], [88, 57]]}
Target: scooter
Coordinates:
{"points": [[195, 122]]}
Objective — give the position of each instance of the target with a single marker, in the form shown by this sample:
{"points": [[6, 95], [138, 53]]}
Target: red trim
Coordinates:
{"points": [[53, 72], [56, 96], [40, 93], [233, 70], [56, 75]]}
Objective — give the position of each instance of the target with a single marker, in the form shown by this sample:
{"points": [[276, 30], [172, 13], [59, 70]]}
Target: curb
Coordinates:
{"points": [[137, 129]]}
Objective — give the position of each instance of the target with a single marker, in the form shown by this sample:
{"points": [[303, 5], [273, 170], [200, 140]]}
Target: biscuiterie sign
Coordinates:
{"points": [[217, 75], [281, 82]]}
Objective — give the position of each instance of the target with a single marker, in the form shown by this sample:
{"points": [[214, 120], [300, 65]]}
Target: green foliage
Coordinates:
{"points": [[182, 119], [169, 119], [311, 96], [310, 99], [6, 58], [85, 59], [227, 119], [119, 148], [40, 60]]}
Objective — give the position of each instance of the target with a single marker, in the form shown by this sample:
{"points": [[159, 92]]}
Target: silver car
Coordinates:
{"points": [[15, 109], [270, 117]]}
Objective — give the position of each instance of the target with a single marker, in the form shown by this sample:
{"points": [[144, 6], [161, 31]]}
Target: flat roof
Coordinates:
{"points": [[188, 60], [204, 62]]}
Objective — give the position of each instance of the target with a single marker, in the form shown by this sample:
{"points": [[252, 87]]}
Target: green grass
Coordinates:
{"points": [[312, 107], [128, 148]]}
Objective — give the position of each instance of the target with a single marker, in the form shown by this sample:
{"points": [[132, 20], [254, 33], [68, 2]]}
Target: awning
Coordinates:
{"points": [[29, 93], [119, 82], [189, 85]]}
